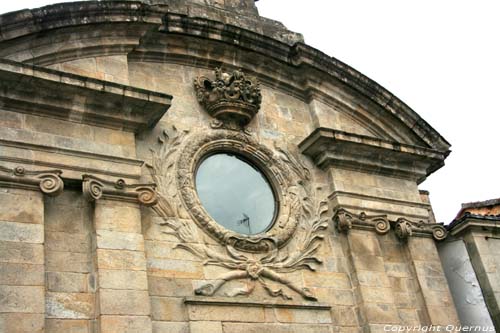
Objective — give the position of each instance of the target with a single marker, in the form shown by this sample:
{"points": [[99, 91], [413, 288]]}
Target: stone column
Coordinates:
{"points": [[120, 262], [22, 274]]}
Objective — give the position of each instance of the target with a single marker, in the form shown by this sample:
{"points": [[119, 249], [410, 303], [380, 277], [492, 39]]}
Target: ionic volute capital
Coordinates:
{"points": [[95, 188], [48, 182]]}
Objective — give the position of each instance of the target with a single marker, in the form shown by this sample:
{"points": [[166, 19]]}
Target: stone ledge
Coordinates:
{"points": [[332, 148], [47, 92], [226, 301], [474, 222]]}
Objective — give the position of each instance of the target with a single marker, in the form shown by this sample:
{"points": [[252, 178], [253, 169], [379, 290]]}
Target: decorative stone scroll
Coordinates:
{"points": [[173, 169], [345, 220], [48, 181], [403, 228], [95, 188], [230, 98]]}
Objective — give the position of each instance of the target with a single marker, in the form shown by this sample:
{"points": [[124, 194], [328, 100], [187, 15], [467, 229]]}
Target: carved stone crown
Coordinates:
{"points": [[230, 97]]}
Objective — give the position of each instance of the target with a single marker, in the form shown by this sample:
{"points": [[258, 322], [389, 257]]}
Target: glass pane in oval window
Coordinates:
{"points": [[235, 194]]}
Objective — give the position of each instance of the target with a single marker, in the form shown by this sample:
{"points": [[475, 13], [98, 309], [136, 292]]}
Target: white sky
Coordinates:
{"points": [[441, 57]]}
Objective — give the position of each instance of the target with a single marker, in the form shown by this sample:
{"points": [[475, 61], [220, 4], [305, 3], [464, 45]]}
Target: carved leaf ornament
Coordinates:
{"points": [[257, 258]]}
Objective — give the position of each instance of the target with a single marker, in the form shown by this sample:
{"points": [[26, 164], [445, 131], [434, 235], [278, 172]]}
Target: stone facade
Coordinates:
{"points": [[102, 128]]}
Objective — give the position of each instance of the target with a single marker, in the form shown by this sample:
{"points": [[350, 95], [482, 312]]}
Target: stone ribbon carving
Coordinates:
{"points": [[95, 188], [403, 228], [48, 181], [173, 168], [230, 97]]}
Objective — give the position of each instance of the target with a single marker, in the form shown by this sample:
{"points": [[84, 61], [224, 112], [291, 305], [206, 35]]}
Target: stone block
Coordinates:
{"points": [[25, 253], [70, 305], [364, 243], [117, 216], [121, 259], [21, 274], [381, 313], [70, 218], [124, 302], [166, 250], [310, 316], [399, 284], [22, 299], [397, 270], [125, 324], [334, 296], [345, 316], [438, 298], [107, 239], [67, 242], [440, 315], [422, 249], [327, 280], [393, 252], [67, 262], [429, 268], [236, 327], [68, 282], [175, 269], [205, 327], [120, 279], [434, 283], [68, 326], [21, 206], [22, 323], [226, 313], [165, 286], [408, 316], [21, 232], [377, 295], [369, 263], [170, 326], [373, 279], [168, 309]]}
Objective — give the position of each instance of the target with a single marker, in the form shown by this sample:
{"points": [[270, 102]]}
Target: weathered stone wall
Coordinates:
{"points": [[101, 257]]}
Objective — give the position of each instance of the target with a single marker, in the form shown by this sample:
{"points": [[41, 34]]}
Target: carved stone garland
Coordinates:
{"points": [[173, 169]]}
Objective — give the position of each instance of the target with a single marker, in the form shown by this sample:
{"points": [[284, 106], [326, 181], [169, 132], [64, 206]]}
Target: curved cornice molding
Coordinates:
{"points": [[285, 53]]}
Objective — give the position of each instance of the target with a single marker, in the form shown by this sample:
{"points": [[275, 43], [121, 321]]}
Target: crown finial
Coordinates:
{"points": [[231, 97]]}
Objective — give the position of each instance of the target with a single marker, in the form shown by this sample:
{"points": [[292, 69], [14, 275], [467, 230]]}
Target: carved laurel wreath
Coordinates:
{"points": [[300, 214]]}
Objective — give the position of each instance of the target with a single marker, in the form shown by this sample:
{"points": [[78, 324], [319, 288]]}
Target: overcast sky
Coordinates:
{"points": [[441, 57]]}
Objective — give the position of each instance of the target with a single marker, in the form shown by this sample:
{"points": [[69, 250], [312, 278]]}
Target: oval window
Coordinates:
{"points": [[235, 194]]}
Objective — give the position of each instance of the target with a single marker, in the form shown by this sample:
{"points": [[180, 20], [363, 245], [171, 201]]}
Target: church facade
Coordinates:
{"points": [[190, 166]]}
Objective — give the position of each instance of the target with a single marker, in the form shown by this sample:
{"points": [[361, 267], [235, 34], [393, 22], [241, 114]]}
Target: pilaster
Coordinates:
{"points": [[22, 273], [120, 261]]}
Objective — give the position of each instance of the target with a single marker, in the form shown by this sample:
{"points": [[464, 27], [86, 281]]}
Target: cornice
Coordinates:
{"points": [[331, 148], [474, 222], [180, 20], [228, 301], [48, 182], [47, 92], [95, 188]]}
